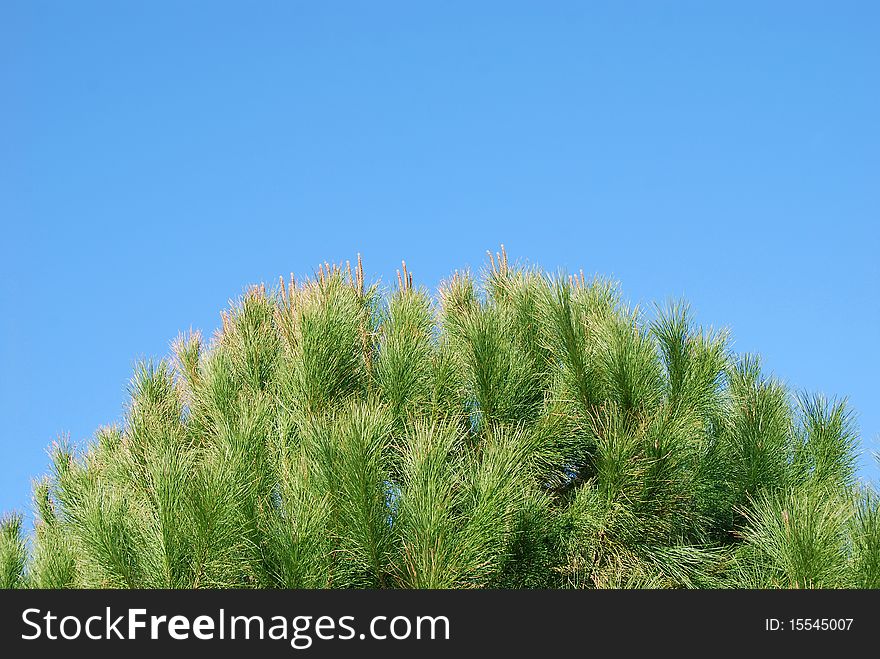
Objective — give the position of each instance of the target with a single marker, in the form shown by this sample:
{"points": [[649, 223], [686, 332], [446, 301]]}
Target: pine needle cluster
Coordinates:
{"points": [[518, 430]]}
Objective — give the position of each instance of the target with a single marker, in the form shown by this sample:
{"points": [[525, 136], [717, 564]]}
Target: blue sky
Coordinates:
{"points": [[157, 157]]}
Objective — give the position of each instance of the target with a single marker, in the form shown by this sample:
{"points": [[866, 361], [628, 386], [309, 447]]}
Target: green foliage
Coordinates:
{"points": [[520, 430], [796, 538], [13, 554], [865, 533]]}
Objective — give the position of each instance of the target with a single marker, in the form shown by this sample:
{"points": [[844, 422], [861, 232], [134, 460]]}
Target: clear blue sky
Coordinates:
{"points": [[156, 157]]}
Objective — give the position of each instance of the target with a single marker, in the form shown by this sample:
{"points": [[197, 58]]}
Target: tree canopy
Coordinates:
{"points": [[517, 430]]}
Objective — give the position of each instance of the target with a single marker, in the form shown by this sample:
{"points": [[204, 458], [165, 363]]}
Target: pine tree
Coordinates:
{"points": [[521, 430]]}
